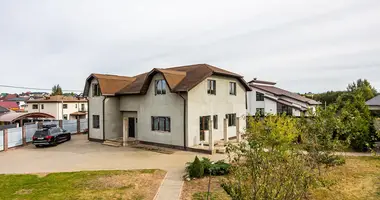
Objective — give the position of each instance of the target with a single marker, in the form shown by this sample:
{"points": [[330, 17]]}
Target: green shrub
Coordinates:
{"points": [[195, 169], [220, 168]]}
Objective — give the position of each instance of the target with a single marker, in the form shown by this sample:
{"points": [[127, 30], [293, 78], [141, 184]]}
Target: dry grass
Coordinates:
{"points": [[85, 185], [358, 179]]}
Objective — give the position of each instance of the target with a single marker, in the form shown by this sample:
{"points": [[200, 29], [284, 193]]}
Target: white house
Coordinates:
{"points": [[169, 106], [374, 104], [61, 107], [265, 98]]}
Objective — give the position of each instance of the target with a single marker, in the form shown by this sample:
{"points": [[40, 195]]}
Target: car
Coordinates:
{"points": [[50, 135]]}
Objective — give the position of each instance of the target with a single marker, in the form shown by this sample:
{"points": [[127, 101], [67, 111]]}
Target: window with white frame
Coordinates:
{"points": [[211, 87], [259, 96], [96, 90], [35, 106], [233, 88], [160, 87], [231, 119]]}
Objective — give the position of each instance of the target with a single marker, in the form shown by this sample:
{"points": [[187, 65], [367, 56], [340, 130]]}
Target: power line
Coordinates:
{"points": [[31, 88]]}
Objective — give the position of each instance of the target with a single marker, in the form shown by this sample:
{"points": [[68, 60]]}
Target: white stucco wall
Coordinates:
{"points": [[269, 106], [55, 108], [202, 104], [113, 118], [146, 106], [96, 108]]}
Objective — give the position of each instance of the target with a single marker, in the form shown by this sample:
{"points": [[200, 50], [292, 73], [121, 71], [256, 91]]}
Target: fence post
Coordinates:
{"points": [[60, 123], [78, 126], [5, 139], [23, 135]]}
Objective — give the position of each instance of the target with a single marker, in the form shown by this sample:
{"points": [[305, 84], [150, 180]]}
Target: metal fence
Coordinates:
{"points": [[14, 137], [51, 122], [1, 141], [70, 126], [29, 131], [83, 125]]}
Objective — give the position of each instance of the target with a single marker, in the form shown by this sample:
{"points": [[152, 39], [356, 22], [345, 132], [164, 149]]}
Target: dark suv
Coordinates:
{"points": [[50, 135]]}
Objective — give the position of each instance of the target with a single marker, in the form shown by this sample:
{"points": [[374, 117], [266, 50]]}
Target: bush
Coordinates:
{"points": [[200, 168]]}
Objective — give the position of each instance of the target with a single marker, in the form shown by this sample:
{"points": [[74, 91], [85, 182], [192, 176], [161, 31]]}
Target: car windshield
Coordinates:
{"points": [[41, 133]]}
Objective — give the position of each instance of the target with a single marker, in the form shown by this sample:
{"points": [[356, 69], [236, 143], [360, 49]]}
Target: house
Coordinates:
{"points": [[171, 106], [374, 105], [266, 98], [10, 105], [61, 107]]}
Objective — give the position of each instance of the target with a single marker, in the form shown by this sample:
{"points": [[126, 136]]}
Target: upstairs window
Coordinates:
{"points": [[96, 90], [64, 106], [231, 119], [35, 106], [42, 106], [259, 96], [232, 88], [161, 124], [211, 87], [160, 87]]}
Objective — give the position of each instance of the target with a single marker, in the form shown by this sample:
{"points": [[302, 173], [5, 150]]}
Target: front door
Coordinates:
{"points": [[131, 127]]}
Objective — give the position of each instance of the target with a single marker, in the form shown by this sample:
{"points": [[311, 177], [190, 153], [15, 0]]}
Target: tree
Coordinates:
{"points": [[363, 87], [56, 90]]}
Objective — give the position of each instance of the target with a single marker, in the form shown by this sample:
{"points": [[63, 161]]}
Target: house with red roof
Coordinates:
{"points": [[11, 105]]}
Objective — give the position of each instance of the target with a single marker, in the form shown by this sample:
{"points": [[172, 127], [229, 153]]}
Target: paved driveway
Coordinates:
{"points": [[81, 154]]}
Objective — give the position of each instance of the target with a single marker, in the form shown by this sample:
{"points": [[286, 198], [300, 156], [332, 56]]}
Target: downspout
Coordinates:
{"points": [[88, 118], [104, 125], [184, 121]]}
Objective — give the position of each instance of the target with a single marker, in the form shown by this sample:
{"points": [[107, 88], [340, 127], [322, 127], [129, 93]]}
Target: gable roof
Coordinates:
{"points": [[57, 98], [178, 79], [3, 110], [375, 101], [281, 92]]}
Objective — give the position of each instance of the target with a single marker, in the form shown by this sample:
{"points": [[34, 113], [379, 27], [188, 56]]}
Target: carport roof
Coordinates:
{"points": [[13, 116]]}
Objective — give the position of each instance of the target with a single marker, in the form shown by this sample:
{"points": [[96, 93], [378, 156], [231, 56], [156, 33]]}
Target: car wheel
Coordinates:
{"points": [[69, 137], [54, 143], [38, 146]]}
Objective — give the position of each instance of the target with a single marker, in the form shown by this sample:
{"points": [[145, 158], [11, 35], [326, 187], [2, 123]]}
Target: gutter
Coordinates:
{"points": [[184, 121], [88, 119]]}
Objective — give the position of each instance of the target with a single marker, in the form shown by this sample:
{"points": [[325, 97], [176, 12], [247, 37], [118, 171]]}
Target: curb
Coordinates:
{"points": [[159, 188]]}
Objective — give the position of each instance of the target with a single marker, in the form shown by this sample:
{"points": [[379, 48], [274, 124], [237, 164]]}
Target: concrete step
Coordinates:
{"points": [[113, 143]]}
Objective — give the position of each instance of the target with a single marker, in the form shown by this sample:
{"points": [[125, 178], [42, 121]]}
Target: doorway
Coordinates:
{"points": [[131, 127]]}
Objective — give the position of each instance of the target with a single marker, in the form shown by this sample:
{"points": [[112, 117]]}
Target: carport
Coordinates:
{"points": [[21, 118]]}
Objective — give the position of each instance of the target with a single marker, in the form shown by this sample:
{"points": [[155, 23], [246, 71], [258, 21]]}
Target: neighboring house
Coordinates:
{"points": [[374, 104], [20, 102], [169, 106], [61, 107], [3, 110], [10, 105], [266, 99]]}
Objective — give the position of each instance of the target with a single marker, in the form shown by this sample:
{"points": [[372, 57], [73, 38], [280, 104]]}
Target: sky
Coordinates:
{"points": [[304, 46]]}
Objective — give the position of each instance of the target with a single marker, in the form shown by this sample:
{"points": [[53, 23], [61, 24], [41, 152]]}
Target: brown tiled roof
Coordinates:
{"points": [[262, 82], [179, 79], [280, 92], [58, 98], [110, 84]]}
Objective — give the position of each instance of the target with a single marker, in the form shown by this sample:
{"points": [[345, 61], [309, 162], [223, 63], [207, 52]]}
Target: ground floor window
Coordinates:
{"points": [[215, 121], [160, 123], [282, 108], [231, 119], [65, 117], [260, 111], [95, 121]]}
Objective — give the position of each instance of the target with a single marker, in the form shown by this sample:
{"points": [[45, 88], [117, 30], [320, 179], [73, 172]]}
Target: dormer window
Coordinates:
{"points": [[211, 87], [160, 87], [96, 90]]}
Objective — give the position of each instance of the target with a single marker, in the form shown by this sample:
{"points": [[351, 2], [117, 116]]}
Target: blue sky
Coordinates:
{"points": [[305, 46]]}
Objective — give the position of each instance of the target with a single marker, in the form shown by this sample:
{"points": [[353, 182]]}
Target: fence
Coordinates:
{"points": [[13, 137], [377, 124]]}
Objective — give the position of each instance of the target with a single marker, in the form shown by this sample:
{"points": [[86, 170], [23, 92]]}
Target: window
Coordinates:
{"points": [[95, 121], [65, 116], [211, 87], [282, 108], [260, 111], [259, 96], [42, 106], [204, 123], [64, 106], [215, 121], [231, 119], [161, 124], [35, 106], [96, 90], [82, 107], [76, 105], [232, 88], [160, 87]]}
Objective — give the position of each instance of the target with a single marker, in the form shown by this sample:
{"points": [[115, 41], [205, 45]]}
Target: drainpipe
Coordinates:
{"points": [[104, 125], [88, 119], [184, 121]]}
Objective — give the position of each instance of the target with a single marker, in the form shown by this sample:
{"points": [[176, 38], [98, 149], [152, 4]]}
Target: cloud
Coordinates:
{"points": [[303, 45]]}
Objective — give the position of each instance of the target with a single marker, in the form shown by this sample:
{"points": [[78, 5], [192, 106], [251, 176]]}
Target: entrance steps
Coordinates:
{"points": [[113, 142]]}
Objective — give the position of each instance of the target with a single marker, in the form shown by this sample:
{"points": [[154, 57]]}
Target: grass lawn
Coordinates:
{"points": [[131, 184], [359, 178]]}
